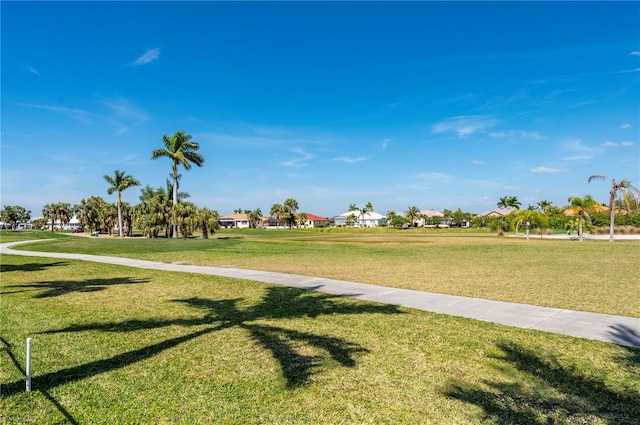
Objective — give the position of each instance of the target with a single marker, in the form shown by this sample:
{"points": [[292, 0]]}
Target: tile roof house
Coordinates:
{"points": [[498, 212], [313, 221]]}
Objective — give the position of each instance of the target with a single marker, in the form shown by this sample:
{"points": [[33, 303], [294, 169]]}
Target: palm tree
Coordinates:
{"points": [[302, 219], [182, 151], [119, 182], [62, 213], [254, 217], [89, 211], [390, 217], [207, 220], [276, 211], [509, 202], [365, 210], [580, 206], [412, 214], [530, 218], [624, 186], [48, 214], [290, 206]]}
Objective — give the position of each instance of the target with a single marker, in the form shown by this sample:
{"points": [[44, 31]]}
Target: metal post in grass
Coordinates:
{"points": [[28, 368]]}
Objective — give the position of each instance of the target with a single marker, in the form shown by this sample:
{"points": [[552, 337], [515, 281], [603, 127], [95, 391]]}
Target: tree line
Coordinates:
{"points": [[164, 211]]}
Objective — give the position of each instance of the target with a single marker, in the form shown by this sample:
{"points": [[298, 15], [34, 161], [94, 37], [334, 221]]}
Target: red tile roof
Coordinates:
{"points": [[312, 217]]}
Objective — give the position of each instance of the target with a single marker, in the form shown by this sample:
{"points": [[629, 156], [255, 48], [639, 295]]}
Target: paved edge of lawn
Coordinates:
{"points": [[603, 327]]}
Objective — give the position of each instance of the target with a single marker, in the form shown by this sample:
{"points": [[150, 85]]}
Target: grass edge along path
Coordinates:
{"points": [[609, 328]]}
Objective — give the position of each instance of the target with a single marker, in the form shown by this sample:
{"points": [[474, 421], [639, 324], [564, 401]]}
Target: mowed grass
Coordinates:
{"points": [[593, 276], [120, 345]]}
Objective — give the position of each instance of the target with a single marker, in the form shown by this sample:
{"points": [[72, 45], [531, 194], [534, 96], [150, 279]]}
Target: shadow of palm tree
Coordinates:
{"points": [[63, 287], [30, 267], [624, 335], [278, 303], [559, 395]]}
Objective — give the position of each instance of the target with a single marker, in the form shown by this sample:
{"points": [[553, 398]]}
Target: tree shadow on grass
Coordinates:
{"points": [[550, 394], [30, 267], [57, 288], [278, 303]]}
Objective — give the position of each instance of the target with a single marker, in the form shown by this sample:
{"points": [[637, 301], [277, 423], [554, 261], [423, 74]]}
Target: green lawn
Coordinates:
{"points": [[591, 276], [119, 345]]}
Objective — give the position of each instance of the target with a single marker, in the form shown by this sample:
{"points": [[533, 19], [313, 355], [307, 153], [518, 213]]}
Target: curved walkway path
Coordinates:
{"points": [[616, 329]]}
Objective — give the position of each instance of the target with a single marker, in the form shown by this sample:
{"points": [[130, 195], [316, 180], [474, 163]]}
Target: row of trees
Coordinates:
{"points": [[164, 210]]}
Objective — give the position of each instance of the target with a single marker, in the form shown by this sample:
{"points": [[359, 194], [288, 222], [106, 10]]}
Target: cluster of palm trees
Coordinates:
{"points": [[161, 210], [285, 211]]}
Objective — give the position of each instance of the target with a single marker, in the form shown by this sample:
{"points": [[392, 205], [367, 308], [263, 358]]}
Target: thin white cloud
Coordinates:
{"points": [[549, 170], [625, 126], [579, 150], [34, 71], [350, 159], [475, 161], [78, 114], [149, 56], [119, 113], [385, 143], [431, 176], [627, 143], [124, 115], [535, 135], [635, 53], [609, 144], [299, 162], [464, 125]]}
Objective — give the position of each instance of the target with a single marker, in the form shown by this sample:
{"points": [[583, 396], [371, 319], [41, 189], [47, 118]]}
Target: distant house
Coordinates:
{"points": [[239, 221], [74, 223], [498, 212], [372, 219], [427, 219], [313, 221]]}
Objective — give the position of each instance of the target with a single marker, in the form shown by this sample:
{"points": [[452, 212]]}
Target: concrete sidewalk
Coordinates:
{"points": [[616, 329]]}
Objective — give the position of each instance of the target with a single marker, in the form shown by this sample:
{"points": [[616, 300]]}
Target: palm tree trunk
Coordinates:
{"points": [[120, 233], [612, 216], [174, 225], [580, 228]]}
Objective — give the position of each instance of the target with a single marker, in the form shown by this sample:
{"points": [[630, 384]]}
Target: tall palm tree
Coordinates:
{"points": [[182, 151], [412, 214], [119, 182], [276, 211], [48, 213], [624, 186], [290, 206], [62, 213], [365, 210], [254, 217]]}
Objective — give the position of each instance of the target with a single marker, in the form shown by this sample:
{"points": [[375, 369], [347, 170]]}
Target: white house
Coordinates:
{"points": [[240, 221], [371, 219]]}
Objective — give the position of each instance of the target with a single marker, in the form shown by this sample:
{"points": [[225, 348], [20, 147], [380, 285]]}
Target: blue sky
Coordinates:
{"points": [[438, 105]]}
